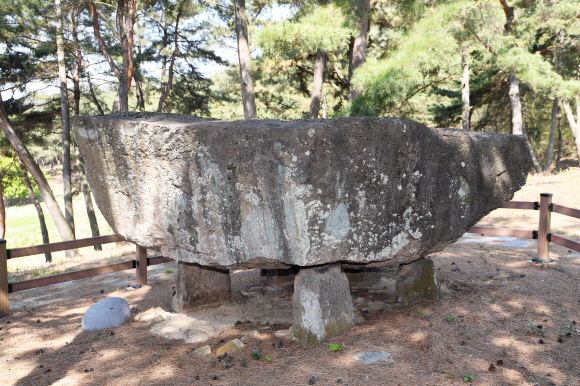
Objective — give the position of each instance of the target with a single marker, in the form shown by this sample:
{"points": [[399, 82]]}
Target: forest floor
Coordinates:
{"points": [[501, 320]]}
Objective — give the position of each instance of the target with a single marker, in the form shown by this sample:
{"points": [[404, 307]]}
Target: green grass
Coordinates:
{"points": [[23, 228]]}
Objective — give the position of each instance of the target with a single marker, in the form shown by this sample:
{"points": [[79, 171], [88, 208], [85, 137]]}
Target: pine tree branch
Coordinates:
{"points": [[420, 89]]}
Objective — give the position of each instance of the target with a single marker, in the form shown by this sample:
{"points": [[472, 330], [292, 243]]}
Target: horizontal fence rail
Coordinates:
{"points": [[140, 264], [62, 246], [565, 242], [566, 210], [82, 274], [521, 205], [68, 276], [522, 234]]}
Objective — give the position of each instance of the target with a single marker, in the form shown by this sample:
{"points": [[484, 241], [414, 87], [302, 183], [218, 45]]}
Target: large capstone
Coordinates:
{"points": [[273, 194], [322, 304]]}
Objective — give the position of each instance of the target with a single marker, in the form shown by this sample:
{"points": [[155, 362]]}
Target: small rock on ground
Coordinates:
{"points": [[284, 334], [369, 357], [201, 351], [230, 346], [251, 335], [152, 315], [106, 313]]}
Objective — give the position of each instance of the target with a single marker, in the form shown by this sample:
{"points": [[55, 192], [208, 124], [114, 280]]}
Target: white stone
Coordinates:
{"points": [[369, 357], [201, 351], [107, 313], [251, 335]]}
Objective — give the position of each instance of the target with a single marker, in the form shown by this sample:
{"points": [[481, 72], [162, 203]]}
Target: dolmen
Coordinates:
{"points": [[323, 196]]}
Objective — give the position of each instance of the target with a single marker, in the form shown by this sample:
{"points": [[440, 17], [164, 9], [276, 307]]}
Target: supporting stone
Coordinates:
{"points": [[322, 304], [280, 277], [200, 287], [363, 277], [417, 281]]}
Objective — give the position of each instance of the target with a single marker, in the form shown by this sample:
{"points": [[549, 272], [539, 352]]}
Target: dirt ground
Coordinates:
{"points": [[501, 320]]}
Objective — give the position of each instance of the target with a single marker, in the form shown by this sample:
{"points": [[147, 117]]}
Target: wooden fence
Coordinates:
{"points": [[543, 234], [141, 261], [140, 264]]}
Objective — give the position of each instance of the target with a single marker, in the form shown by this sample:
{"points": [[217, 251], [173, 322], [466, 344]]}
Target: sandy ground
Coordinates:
{"points": [[502, 320]]}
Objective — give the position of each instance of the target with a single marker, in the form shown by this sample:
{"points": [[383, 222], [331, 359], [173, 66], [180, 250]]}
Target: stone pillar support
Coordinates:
{"points": [[417, 281], [322, 304], [200, 287]]}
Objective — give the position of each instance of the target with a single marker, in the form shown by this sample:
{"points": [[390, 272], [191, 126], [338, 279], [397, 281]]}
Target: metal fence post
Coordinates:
{"points": [[141, 269], [4, 305], [544, 225]]}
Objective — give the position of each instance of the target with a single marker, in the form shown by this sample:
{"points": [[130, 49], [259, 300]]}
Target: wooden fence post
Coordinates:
{"points": [[141, 257], [544, 225], [4, 305]]}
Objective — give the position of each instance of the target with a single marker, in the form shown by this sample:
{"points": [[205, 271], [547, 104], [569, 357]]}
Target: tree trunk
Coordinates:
{"points": [[245, 60], [550, 150], [139, 92], [2, 212], [317, 83], [164, 43], [93, 96], [66, 161], [88, 200], [78, 66], [559, 157], [39, 212], [537, 166], [531, 149], [516, 106], [574, 125], [465, 114], [80, 162], [509, 15], [169, 85], [125, 20], [555, 108], [359, 46], [514, 93], [121, 103], [39, 178]]}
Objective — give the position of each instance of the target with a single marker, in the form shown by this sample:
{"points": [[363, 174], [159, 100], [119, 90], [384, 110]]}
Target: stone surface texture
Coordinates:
{"points": [[106, 313], [199, 286], [322, 304], [417, 281], [272, 194]]}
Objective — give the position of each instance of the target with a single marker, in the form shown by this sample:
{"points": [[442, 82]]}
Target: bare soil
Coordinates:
{"points": [[501, 320]]}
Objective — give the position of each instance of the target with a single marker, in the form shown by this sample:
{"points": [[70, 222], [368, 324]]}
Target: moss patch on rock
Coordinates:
{"points": [[417, 281]]}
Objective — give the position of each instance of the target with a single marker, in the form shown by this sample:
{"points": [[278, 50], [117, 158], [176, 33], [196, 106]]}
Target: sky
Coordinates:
{"points": [[208, 69], [277, 13]]}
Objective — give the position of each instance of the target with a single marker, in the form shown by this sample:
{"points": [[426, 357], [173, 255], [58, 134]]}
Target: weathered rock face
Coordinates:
{"points": [[271, 194]]}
